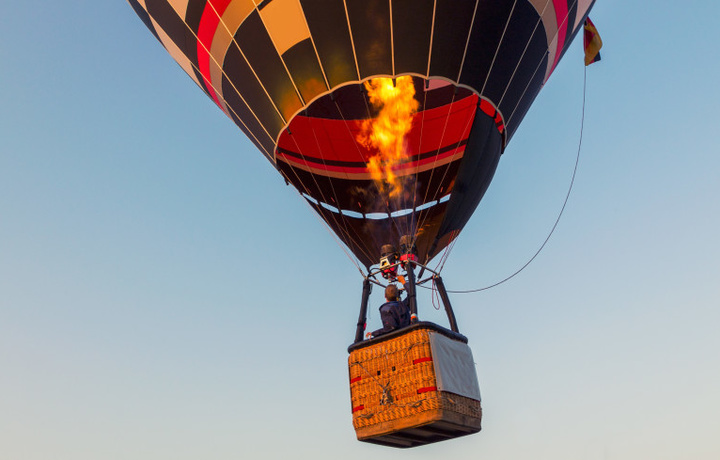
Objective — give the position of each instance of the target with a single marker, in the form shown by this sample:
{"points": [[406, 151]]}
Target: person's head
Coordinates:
{"points": [[391, 292]]}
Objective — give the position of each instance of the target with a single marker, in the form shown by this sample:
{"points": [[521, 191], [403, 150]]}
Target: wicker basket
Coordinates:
{"points": [[396, 397]]}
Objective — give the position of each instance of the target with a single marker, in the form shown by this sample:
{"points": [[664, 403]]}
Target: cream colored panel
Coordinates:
{"points": [[583, 6], [175, 52], [552, 51], [180, 7], [546, 10], [235, 13], [285, 23]]}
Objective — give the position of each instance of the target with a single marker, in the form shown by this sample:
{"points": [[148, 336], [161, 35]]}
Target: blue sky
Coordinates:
{"points": [[163, 294]]}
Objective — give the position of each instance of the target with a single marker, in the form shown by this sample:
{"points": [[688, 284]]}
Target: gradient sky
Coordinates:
{"points": [[163, 294]]}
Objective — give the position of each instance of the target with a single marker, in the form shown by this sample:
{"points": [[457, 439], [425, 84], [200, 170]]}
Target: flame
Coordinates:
{"points": [[396, 104]]}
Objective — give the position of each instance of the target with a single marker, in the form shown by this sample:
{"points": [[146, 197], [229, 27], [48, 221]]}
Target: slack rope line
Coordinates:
{"points": [[567, 197]]}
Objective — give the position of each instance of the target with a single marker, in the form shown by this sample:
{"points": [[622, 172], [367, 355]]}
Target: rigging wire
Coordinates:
{"points": [[423, 215], [435, 296], [552, 230]]}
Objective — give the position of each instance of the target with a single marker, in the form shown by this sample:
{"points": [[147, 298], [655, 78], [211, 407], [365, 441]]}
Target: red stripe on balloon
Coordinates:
{"points": [[206, 32], [318, 167], [487, 108], [561, 12]]}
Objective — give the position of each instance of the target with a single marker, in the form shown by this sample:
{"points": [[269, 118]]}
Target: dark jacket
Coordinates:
{"points": [[394, 315]]}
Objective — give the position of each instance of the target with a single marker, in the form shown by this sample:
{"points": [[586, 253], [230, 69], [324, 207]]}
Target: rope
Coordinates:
{"points": [[322, 196], [567, 197], [423, 216]]}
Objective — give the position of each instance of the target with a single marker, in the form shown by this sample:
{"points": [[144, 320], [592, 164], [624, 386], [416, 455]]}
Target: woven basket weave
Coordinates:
{"points": [[393, 388]]}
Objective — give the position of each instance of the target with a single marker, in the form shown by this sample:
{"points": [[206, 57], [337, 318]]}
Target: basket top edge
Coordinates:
{"points": [[406, 330]]}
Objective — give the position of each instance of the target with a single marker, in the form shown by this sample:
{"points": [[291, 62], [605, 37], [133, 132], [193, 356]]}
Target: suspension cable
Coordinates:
{"points": [[562, 209]]}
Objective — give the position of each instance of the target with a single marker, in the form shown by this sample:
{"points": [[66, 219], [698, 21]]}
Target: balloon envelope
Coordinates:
{"points": [[290, 74]]}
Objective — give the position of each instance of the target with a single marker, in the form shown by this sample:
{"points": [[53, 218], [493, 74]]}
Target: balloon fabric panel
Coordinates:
{"points": [[370, 29], [264, 119], [330, 34], [258, 49], [450, 32], [291, 74], [411, 26]]}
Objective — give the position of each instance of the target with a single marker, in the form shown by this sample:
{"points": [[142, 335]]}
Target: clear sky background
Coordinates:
{"points": [[164, 295]]}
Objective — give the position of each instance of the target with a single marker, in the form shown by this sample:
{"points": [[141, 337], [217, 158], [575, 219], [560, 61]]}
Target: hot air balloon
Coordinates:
{"points": [[388, 116]]}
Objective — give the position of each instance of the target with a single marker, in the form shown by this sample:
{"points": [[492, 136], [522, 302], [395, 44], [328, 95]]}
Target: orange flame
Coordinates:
{"points": [[396, 104]]}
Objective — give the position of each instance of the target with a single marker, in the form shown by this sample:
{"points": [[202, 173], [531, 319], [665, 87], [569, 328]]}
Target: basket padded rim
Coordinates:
{"points": [[420, 325]]}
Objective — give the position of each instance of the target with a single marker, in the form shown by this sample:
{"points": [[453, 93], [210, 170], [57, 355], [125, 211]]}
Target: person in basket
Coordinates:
{"points": [[394, 313]]}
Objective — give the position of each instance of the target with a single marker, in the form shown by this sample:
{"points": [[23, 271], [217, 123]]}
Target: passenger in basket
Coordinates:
{"points": [[394, 313]]}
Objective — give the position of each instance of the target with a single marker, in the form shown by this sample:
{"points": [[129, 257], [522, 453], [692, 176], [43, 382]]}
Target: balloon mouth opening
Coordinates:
{"points": [[391, 145], [326, 150], [376, 215]]}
